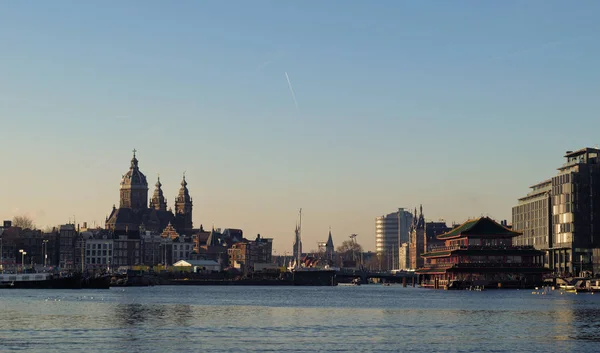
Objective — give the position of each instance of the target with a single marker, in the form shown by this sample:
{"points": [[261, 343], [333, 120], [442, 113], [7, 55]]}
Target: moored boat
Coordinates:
{"points": [[52, 281], [39, 281]]}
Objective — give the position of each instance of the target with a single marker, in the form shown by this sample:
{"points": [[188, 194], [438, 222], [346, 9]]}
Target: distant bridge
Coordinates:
{"points": [[384, 276]]}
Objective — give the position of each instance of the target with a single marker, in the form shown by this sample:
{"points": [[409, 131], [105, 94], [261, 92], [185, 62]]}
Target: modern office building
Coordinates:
{"points": [[574, 208], [404, 257], [532, 217], [391, 231]]}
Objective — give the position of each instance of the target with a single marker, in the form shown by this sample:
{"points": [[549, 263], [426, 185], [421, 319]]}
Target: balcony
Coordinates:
{"points": [[466, 265], [497, 264], [479, 247]]}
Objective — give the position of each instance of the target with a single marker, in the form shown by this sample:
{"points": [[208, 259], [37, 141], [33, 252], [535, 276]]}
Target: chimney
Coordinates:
{"points": [[7, 224]]}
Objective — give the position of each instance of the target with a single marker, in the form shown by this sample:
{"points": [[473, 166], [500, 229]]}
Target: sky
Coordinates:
{"points": [[459, 106]]}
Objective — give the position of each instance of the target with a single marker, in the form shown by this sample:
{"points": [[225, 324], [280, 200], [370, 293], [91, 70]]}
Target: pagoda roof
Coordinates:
{"points": [[479, 226]]}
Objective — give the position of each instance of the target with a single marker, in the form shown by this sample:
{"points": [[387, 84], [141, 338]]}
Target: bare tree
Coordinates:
{"points": [[49, 229], [349, 248], [23, 222]]}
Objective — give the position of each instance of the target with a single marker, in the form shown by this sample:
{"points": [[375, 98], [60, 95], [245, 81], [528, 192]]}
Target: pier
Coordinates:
{"points": [[387, 276]]}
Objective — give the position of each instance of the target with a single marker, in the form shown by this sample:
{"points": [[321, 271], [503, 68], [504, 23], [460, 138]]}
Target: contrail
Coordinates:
{"points": [[292, 90]]}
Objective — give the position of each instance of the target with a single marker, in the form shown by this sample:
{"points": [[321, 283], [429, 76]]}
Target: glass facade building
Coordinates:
{"points": [[573, 201], [391, 231], [532, 217]]}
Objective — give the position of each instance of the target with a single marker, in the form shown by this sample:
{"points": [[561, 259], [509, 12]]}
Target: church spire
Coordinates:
{"points": [[329, 249], [183, 207], [134, 161], [158, 201]]}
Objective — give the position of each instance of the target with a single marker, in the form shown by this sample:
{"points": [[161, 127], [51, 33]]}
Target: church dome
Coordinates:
{"points": [[134, 178]]}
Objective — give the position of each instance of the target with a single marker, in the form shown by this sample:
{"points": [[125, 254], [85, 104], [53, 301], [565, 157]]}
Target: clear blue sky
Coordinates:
{"points": [[458, 105]]}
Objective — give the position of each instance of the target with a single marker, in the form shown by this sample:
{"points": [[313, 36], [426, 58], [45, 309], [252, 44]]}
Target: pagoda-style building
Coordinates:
{"points": [[480, 253]]}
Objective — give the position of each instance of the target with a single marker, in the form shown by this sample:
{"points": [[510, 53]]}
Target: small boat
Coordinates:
{"points": [[568, 288]]}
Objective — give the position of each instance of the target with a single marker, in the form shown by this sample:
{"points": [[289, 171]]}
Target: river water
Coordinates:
{"points": [[370, 318]]}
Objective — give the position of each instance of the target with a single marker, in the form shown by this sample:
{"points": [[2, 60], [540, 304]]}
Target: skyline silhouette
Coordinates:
{"points": [[457, 106]]}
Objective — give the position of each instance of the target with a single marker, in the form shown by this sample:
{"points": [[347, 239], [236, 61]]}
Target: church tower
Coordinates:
{"points": [[134, 188], [417, 245], [297, 247], [158, 201], [183, 208], [329, 249]]}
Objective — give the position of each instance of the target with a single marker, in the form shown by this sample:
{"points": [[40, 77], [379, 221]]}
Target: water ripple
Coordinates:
{"points": [[278, 319]]}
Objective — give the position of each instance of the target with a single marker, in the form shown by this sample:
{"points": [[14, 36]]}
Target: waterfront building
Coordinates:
{"points": [[572, 233], [198, 266], [79, 249], [213, 245], [66, 240], [532, 217], [126, 251], [404, 257], [150, 245], [596, 260], [32, 241], [432, 230], [182, 248], [391, 230], [99, 253], [231, 236], [480, 252], [247, 253]]}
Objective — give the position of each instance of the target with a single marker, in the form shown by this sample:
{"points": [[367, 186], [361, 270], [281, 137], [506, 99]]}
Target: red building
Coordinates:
{"points": [[480, 252]]}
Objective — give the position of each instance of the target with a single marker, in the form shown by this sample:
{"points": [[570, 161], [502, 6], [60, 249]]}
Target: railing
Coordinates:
{"points": [[497, 264], [479, 247], [440, 282], [443, 266], [445, 248], [440, 266]]}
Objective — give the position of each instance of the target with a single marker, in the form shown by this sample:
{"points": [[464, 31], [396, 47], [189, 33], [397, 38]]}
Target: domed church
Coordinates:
{"points": [[134, 215]]}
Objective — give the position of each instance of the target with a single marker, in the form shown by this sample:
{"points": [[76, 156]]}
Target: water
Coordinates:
{"points": [[296, 319]]}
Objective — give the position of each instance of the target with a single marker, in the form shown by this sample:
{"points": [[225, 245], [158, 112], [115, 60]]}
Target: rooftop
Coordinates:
{"points": [[541, 184], [581, 151], [479, 226]]}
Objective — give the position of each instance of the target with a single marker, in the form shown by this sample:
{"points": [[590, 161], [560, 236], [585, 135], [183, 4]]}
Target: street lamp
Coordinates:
{"points": [[23, 253], [45, 244]]}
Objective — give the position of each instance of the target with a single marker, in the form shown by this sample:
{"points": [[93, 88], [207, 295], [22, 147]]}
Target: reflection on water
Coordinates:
{"points": [[587, 322], [278, 319]]}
